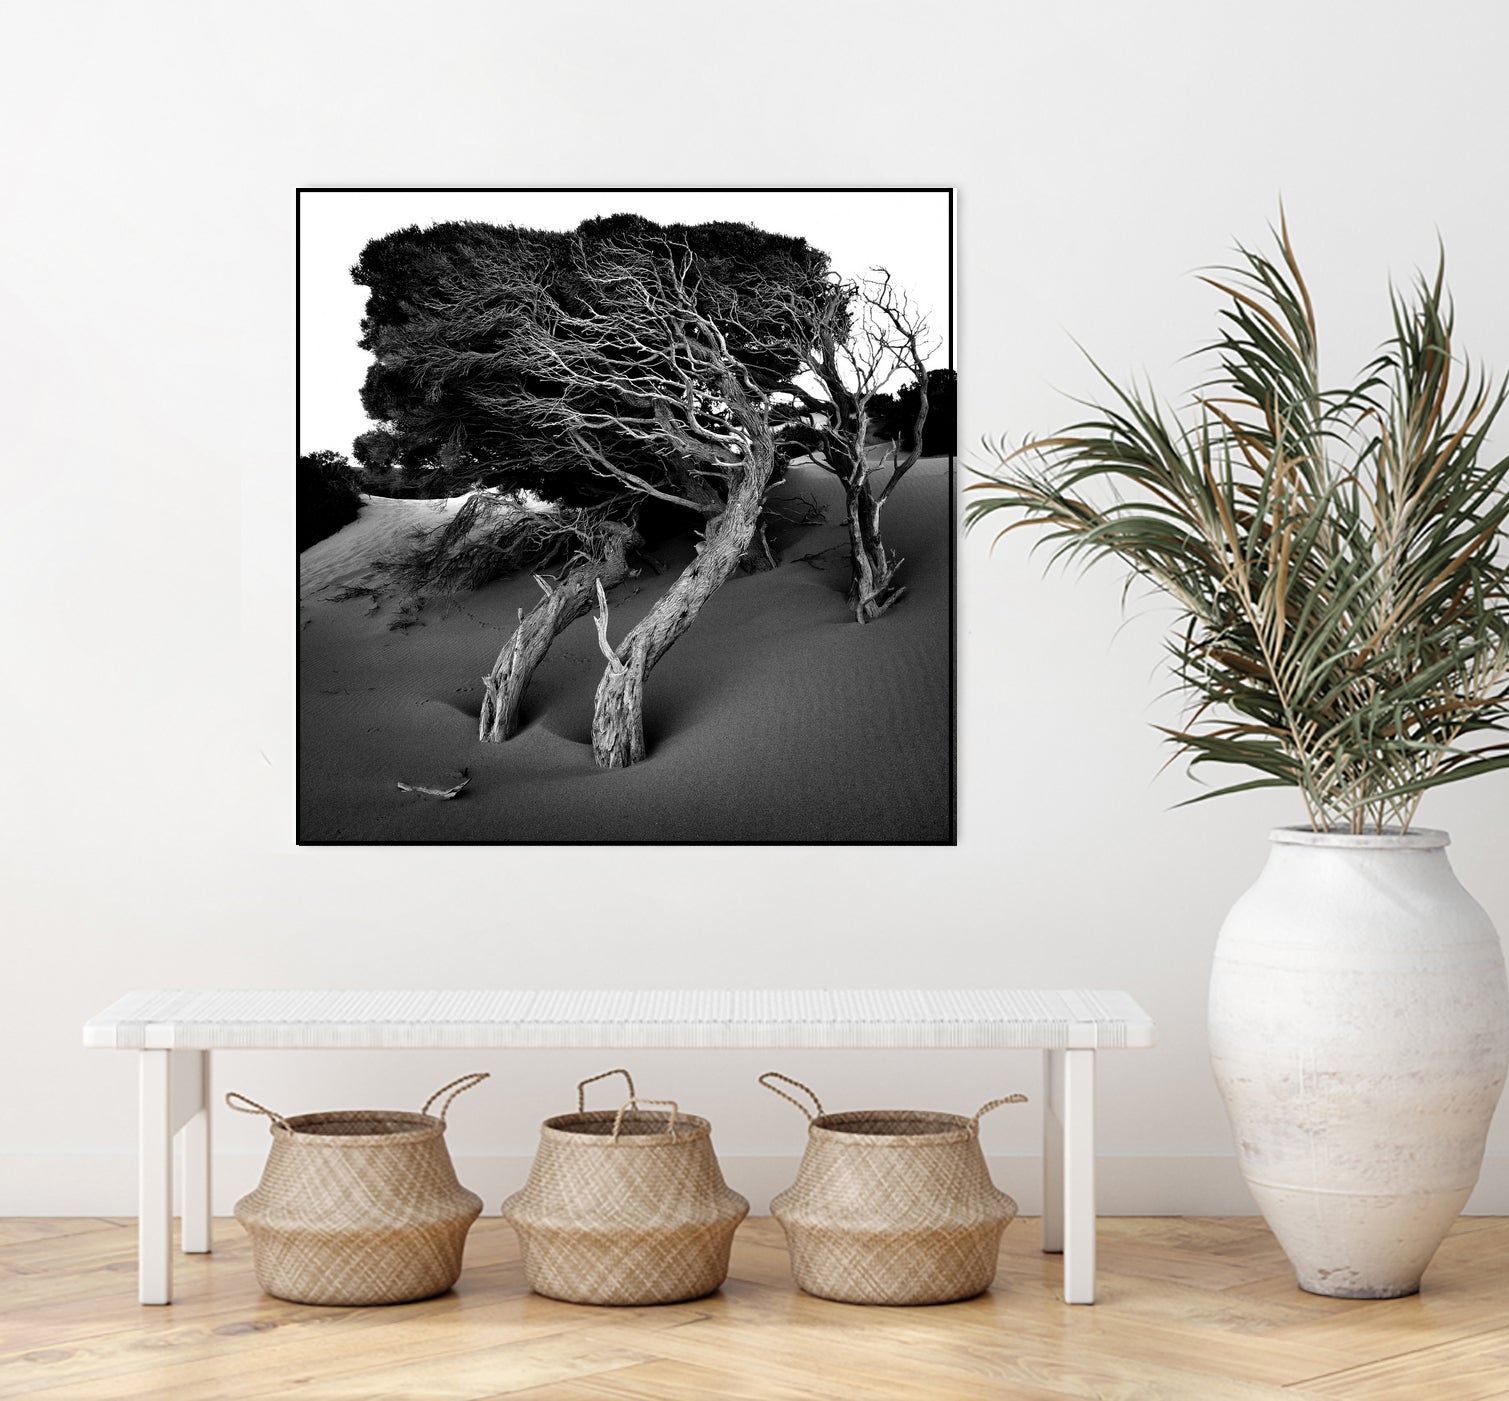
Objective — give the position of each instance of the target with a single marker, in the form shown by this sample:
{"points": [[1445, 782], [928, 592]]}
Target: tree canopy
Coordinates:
{"points": [[453, 308]]}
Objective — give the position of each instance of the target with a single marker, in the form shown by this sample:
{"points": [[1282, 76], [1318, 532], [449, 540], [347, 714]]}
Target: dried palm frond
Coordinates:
{"points": [[1337, 555]]}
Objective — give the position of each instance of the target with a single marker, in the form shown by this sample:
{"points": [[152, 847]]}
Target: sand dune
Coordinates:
{"points": [[378, 532], [775, 718]]}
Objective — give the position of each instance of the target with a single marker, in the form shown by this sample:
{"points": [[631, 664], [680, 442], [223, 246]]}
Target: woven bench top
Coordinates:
{"points": [[687, 1019]]}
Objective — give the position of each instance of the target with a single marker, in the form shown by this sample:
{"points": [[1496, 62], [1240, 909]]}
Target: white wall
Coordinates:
{"points": [[1101, 152]]}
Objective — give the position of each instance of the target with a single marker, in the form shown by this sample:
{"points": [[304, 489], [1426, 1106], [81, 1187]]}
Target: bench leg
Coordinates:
{"points": [[1053, 1152], [1069, 1168], [155, 1178], [195, 1135]]}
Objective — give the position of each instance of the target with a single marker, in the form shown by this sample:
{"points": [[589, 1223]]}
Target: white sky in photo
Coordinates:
{"points": [[904, 231]]}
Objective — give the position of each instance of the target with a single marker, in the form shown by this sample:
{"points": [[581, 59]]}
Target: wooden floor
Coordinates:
{"points": [[1198, 1309]]}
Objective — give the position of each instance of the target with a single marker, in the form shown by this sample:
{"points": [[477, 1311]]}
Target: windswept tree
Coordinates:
{"points": [[602, 374], [622, 368], [853, 342], [619, 362]]}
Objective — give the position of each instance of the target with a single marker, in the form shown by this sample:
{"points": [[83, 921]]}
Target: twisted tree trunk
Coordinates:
{"points": [[618, 714], [565, 601], [872, 589]]}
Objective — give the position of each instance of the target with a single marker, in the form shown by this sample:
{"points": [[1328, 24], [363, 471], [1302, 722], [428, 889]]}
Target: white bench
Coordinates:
{"points": [[175, 1033]]}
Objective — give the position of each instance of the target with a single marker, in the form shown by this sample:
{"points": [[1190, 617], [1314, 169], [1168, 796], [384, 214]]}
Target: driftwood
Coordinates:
{"points": [[436, 792]]}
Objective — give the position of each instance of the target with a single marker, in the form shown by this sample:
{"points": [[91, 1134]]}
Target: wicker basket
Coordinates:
{"points": [[892, 1206], [358, 1206], [625, 1207]]}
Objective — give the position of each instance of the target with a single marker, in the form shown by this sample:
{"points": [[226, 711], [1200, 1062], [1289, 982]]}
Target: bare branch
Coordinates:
{"points": [[615, 666]]}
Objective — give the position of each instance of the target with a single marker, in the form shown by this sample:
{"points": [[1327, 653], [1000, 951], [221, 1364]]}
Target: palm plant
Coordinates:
{"points": [[1337, 556]]}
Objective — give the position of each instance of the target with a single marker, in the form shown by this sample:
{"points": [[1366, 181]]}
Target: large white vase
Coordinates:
{"points": [[1359, 1031]]}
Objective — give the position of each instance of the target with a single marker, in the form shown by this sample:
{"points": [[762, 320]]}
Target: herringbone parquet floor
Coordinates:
{"points": [[1189, 1310]]}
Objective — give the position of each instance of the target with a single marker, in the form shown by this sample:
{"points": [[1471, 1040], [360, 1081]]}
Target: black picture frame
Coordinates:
{"points": [[313, 825]]}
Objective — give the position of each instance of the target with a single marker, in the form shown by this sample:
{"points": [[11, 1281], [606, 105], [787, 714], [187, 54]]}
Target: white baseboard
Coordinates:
{"points": [[104, 1184]]}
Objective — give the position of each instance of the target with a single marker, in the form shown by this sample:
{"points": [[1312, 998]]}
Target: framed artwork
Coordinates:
{"points": [[625, 516]]}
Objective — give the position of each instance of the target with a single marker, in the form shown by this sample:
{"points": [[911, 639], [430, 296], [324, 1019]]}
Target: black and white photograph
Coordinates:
{"points": [[625, 516]]}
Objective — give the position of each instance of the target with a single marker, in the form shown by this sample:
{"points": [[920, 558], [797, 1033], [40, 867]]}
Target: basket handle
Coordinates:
{"points": [[256, 1108], [581, 1090], [618, 1118], [985, 1109], [456, 1087], [770, 1075]]}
